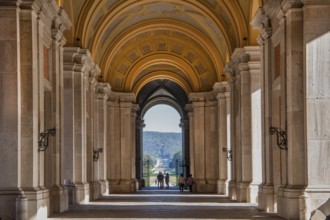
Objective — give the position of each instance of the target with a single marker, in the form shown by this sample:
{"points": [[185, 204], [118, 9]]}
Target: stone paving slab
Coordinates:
{"points": [[164, 205]]}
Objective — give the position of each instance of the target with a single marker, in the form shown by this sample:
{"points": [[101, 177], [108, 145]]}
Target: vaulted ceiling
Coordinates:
{"points": [[138, 41]]}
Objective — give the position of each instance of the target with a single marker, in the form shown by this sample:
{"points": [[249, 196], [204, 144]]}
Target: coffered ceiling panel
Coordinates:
{"points": [[137, 41]]}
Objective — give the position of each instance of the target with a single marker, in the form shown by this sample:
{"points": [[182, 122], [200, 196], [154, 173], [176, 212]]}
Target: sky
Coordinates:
{"points": [[163, 118]]}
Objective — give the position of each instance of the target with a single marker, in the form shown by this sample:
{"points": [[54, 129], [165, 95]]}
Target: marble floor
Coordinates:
{"points": [[152, 203]]}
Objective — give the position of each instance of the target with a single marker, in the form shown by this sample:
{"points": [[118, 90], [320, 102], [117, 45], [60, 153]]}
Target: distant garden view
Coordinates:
{"points": [[162, 152]]}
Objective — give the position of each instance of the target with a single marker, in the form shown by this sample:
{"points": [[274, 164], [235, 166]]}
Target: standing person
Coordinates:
{"points": [[159, 179], [181, 183], [190, 182], [167, 180]]}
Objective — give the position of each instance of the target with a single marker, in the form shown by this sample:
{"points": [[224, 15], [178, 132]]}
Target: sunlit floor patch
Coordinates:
{"points": [[165, 204]]}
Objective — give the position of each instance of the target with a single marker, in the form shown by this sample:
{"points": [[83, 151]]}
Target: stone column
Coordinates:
{"points": [[231, 108], [228, 138], [199, 144], [59, 195], [211, 149], [10, 117], [99, 158], [246, 148], [294, 109], [139, 151], [113, 144], [135, 108], [266, 199], [122, 154], [78, 68], [191, 140], [81, 188], [184, 124], [127, 177], [91, 130], [317, 53], [222, 139], [256, 120]]}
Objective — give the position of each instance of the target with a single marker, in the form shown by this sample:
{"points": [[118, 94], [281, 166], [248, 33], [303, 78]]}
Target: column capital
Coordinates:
{"points": [[80, 60], [221, 96], [197, 97], [102, 88], [188, 108], [221, 86], [289, 4], [139, 123], [243, 68], [112, 103], [184, 123], [101, 97]]}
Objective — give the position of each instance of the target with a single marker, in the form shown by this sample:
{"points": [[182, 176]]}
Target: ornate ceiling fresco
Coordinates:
{"points": [[138, 41]]}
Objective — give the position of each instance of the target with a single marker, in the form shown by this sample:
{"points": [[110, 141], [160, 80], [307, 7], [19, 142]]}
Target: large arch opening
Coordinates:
{"points": [[161, 101], [162, 146]]}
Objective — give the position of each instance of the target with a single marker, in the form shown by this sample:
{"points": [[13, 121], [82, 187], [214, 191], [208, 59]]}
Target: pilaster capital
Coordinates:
{"points": [[230, 73], [126, 97], [197, 97], [63, 21], [188, 108], [34, 5], [135, 108], [198, 104], [210, 103], [101, 97], [102, 88], [139, 123], [221, 86], [112, 103], [289, 4], [221, 96], [81, 59], [243, 68], [92, 81], [126, 105], [184, 123]]}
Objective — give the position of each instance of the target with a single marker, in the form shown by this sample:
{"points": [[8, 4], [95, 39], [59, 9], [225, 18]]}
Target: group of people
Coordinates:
{"points": [[183, 182], [160, 180]]}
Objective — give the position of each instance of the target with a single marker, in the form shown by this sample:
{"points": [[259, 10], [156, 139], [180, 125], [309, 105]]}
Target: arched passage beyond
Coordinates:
{"points": [[161, 91]]}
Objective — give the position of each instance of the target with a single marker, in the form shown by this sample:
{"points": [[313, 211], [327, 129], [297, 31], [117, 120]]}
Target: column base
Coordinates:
{"points": [[13, 204], [266, 198], [59, 199], [315, 203], [104, 187], [242, 191], [79, 193], [122, 186], [222, 187], [95, 190], [205, 186], [288, 201], [33, 204], [232, 194], [252, 193]]}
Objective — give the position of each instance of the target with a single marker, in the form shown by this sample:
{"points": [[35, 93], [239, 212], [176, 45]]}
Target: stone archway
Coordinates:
{"points": [[161, 91]]}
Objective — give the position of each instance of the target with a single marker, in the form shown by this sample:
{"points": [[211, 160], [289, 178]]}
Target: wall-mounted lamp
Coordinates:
{"points": [[43, 139], [281, 137], [229, 153], [96, 154]]}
